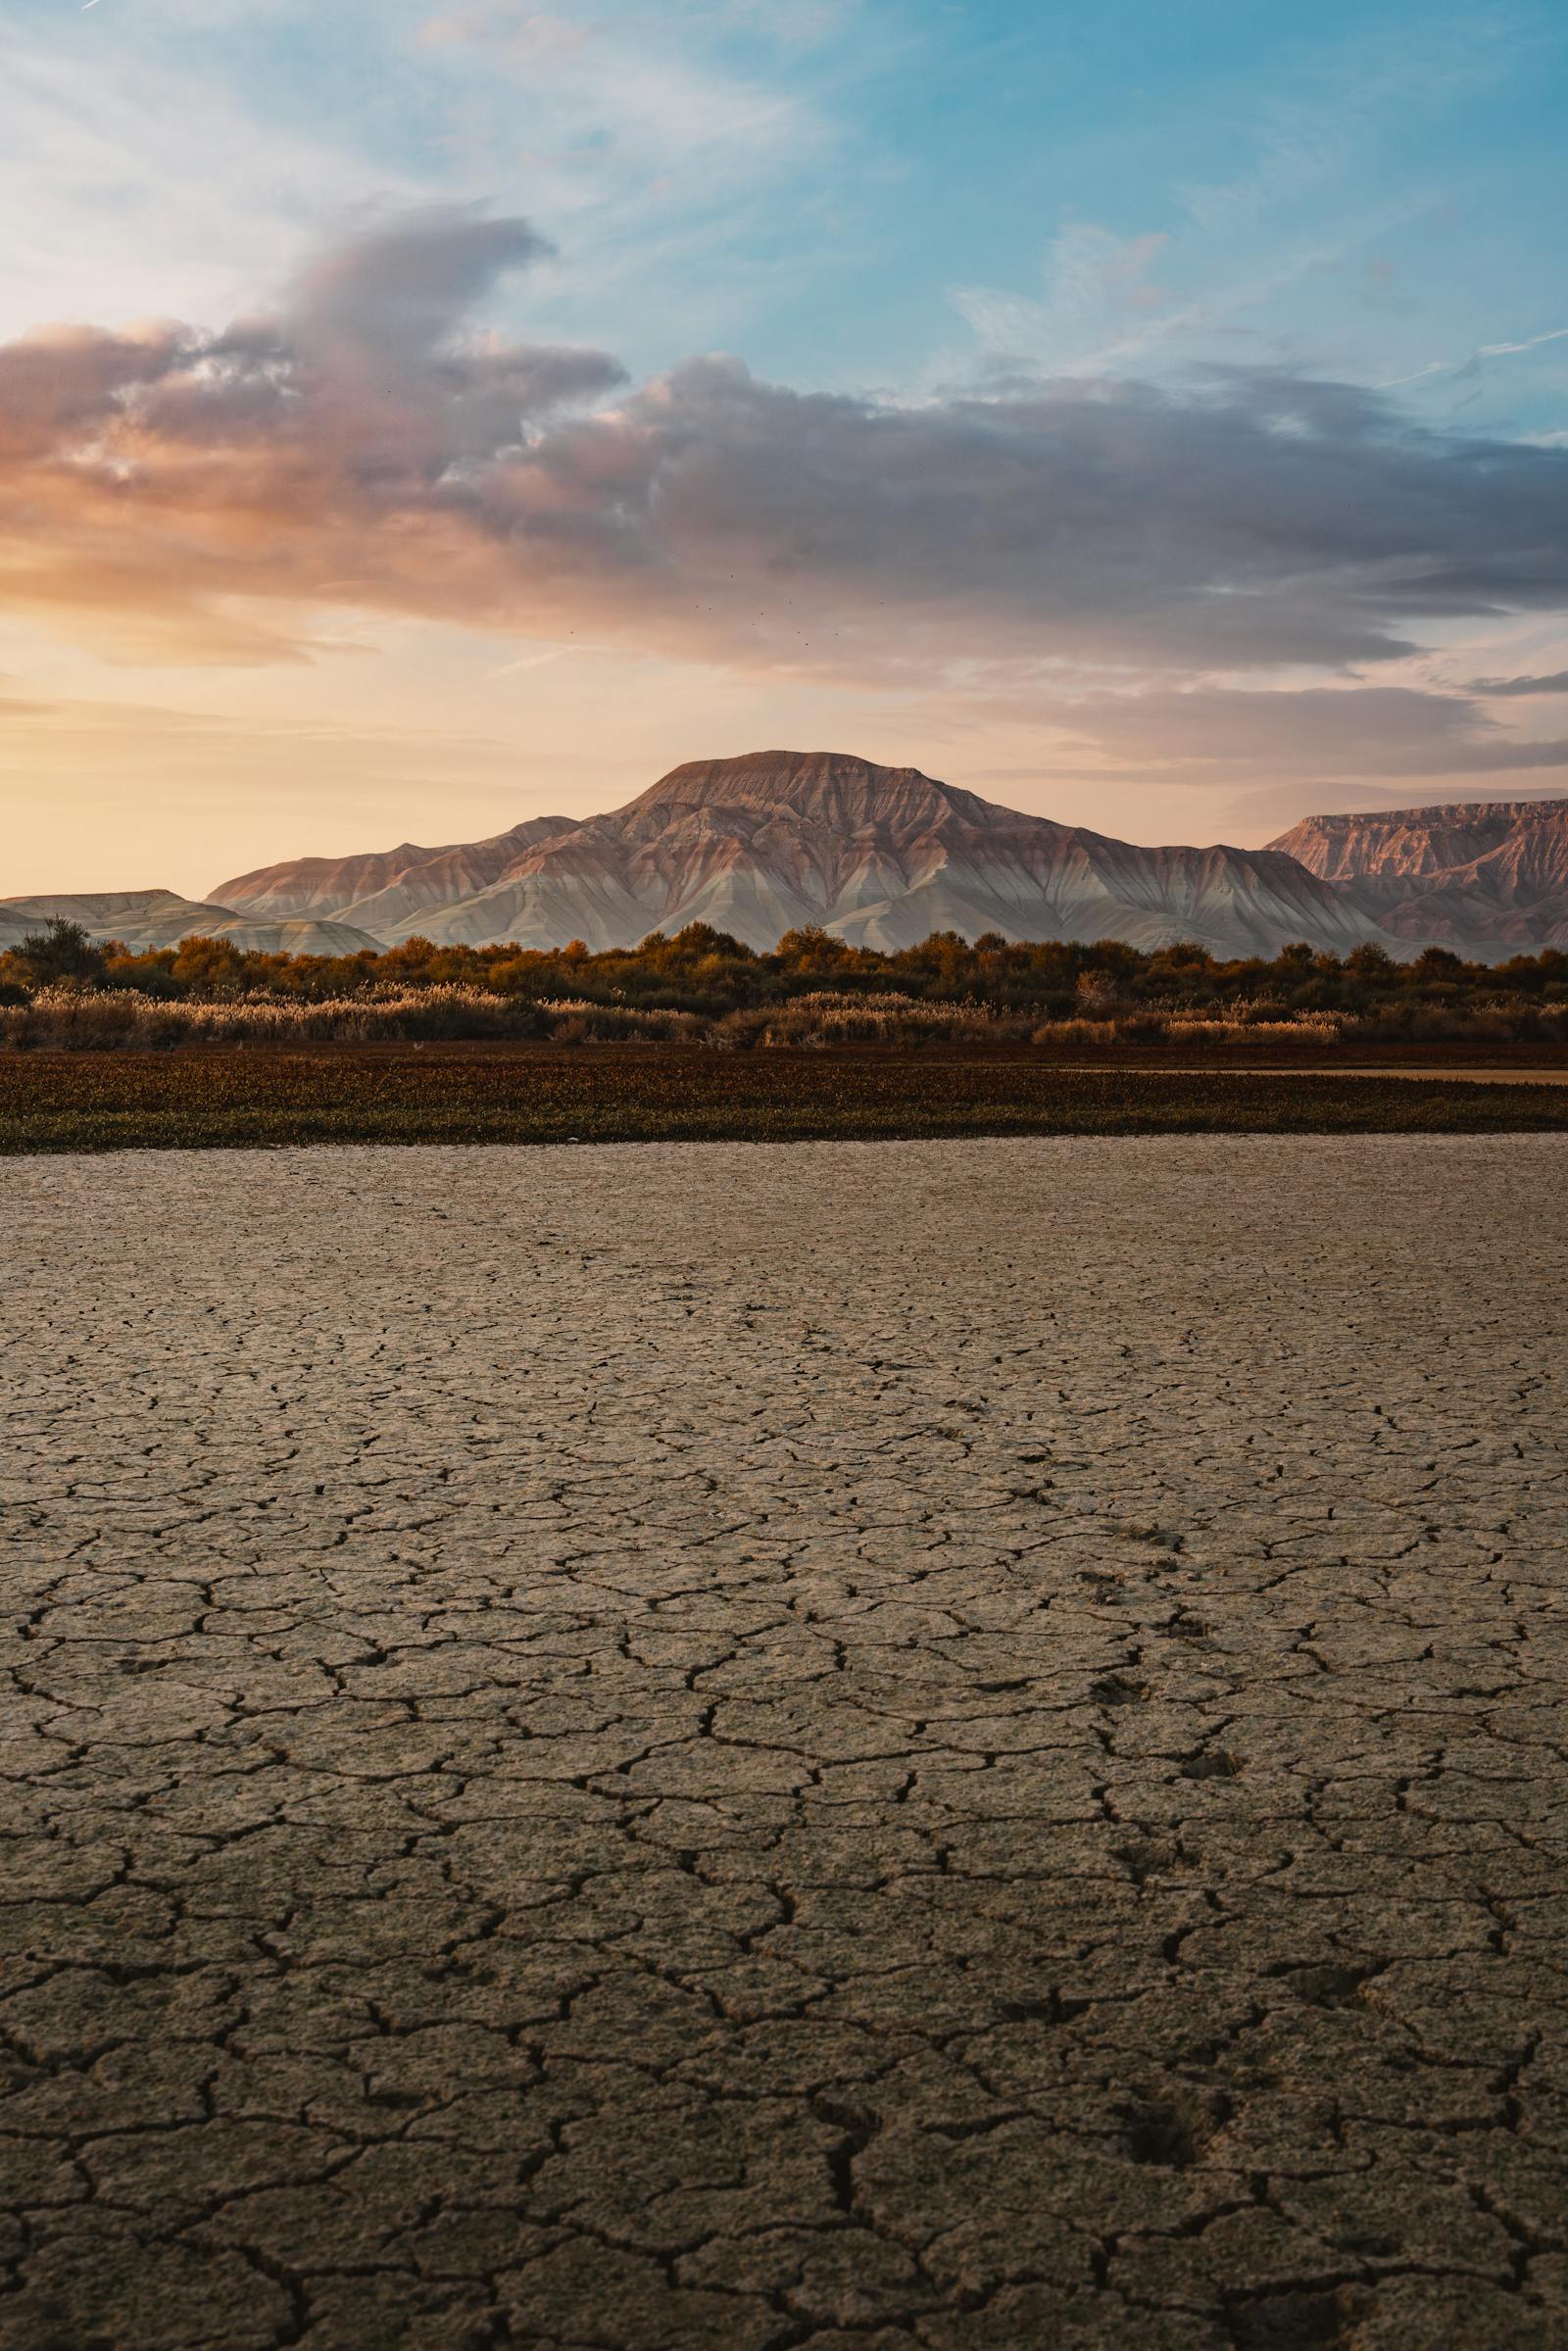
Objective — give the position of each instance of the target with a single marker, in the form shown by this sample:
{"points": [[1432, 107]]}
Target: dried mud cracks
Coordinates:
{"points": [[929, 1748]]}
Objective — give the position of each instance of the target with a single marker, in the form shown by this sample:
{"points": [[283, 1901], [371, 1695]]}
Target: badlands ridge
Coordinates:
{"points": [[882, 857]]}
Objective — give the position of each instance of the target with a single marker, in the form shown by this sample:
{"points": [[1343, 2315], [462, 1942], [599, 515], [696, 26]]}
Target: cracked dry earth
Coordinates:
{"points": [[909, 1748]]}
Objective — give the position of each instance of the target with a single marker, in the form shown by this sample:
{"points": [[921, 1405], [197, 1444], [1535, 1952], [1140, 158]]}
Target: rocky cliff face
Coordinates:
{"points": [[1480, 876], [764, 844]]}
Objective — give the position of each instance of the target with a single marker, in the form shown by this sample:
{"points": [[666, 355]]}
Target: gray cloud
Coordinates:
{"points": [[1345, 746], [1320, 731], [400, 290], [363, 437], [1261, 520], [1556, 683]]}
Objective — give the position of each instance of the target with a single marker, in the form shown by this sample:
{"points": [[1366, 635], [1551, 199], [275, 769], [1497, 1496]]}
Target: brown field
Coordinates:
{"points": [[192, 1100]]}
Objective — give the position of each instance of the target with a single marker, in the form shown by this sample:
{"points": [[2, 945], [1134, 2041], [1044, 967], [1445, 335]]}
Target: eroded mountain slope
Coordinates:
{"points": [[766, 843], [1476, 875]]}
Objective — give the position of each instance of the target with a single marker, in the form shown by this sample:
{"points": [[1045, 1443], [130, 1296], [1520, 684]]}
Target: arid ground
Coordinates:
{"points": [[934, 1747]]}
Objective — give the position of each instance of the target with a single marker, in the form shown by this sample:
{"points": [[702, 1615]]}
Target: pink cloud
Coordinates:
{"points": [[365, 446]]}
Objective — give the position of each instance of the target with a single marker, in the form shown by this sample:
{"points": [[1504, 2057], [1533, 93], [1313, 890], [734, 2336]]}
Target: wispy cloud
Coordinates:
{"points": [[538, 39], [134, 179], [1481, 351], [1312, 732], [1071, 335], [538, 661], [1096, 282], [169, 157], [1314, 186], [1390, 383], [1554, 334]]}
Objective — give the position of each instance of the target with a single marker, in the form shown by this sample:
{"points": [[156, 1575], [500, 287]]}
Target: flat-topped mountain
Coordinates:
{"points": [[778, 840], [1485, 875]]}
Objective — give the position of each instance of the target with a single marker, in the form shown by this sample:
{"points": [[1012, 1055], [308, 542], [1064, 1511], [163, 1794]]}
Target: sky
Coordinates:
{"points": [[418, 415]]}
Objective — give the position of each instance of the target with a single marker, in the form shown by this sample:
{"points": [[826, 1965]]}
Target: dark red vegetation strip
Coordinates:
{"points": [[79, 1101]]}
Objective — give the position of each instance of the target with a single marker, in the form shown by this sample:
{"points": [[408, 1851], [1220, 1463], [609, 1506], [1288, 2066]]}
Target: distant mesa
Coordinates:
{"points": [[146, 918], [1488, 875], [882, 857]]}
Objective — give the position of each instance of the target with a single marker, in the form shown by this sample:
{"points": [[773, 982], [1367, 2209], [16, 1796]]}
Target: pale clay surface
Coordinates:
{"points": [[910, 1748]]}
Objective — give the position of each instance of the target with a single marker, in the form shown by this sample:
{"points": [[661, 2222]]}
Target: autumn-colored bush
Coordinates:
{"points": [[812, 991]]}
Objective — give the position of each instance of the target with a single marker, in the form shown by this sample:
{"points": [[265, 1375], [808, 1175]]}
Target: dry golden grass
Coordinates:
{"points": [[69, 1020]]}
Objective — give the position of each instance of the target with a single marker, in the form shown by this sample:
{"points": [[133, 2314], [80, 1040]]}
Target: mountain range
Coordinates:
{"points": [[882, 857], [145, 918]]}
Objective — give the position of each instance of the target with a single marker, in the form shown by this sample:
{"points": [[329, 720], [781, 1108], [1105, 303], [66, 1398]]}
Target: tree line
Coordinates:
{"points": [[708, 973]]}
